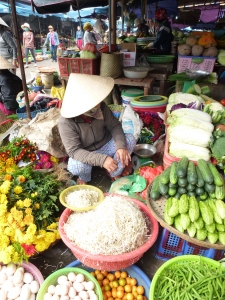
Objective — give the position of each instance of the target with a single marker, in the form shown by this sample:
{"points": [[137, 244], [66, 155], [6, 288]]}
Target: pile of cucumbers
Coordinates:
{"points": [[184, 177]]}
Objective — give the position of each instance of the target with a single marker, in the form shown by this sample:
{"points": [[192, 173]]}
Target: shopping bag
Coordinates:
{"points": [[58, 92]]}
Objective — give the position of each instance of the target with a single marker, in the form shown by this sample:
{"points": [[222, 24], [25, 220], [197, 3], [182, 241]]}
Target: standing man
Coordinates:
{"points": [[53, 39], [79, 38]]}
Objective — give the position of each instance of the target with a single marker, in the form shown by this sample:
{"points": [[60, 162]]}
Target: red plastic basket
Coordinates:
{"points": [[111, 262], [74, 65], [63, 66], [89, 66]]}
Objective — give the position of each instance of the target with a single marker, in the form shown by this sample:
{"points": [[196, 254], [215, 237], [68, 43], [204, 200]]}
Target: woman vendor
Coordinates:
{"points": [[164, 36], [10, 86], [90, 133], [89, 36]]}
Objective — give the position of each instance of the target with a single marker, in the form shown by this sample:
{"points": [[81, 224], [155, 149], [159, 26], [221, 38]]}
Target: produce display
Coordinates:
{"points": [[17, 283], [71, 286], [119, 285]]}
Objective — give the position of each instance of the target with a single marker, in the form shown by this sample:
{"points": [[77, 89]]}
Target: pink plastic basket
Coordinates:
{"points": [[111, 262], [186, 63]]}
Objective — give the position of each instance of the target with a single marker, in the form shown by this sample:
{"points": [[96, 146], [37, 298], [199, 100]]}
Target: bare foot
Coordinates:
{"points": [[80, 182], [128, 169]]}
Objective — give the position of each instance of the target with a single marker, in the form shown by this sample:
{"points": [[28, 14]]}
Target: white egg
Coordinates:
{"points": [[18, 276], [84, 295], [80, 278], [3, 269], [64, 289], [20, 284], [94, 297], [77, 298], [91, 292], [71, 276], [32, 297], [18, 298], [14, 292], [3, 295], [72, 292], [64, 298], [68, 283], [47, 296], [78, 286], [58, 290], [21, 269], [55, 297], [3, 278], [25, 292], [62, 279], [34, 286], [51, 289], [10, 269], [90, 285], [27, 277], [7, 285]]}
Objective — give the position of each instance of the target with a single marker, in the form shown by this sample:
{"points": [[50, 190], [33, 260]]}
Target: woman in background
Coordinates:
{"points": [[89, 36], [79, 37], [53, 40], [8, 48], [28, 43]]}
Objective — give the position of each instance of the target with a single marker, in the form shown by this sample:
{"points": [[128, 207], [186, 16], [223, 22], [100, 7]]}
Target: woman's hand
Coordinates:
{"points": [[124, 156], [14, 63], [110, 164]]}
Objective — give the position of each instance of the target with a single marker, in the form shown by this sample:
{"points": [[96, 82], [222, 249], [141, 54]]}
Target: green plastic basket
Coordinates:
{"points": [[52, 280], [173, 262], [160, 59]]}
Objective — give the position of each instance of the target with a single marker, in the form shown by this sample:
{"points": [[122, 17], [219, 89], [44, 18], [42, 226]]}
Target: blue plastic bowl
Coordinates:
{"points": [[37, 88], [133, 271]]}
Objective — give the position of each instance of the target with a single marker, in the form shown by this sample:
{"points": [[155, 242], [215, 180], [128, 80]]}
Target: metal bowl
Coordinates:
{"points": [[197, 74], [135, 72], [144, 150]]}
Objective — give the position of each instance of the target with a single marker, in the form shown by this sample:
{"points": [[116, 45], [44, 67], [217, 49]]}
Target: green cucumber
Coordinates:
{"points": [[204, 196], [182, 190], [191, 187], [177, 195], [220, 191], [165, 176], [199, 191], [163, 188], [174, 186], [182, 182], [205, 171], [190, 193], [216, 175], [200, 182], [191, 173], [154, 193], [210, 188], [173, 173], [182, 167], [194, 90], [172, 191]]}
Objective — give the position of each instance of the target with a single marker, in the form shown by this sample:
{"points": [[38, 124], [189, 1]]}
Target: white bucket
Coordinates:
{"points": [[34, 74], [47, 80], [44, 50]]}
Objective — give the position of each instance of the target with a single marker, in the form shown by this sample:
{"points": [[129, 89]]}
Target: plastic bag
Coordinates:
{"points": [[131, 122], [142, 62], [99, 26], [128, 185], [58, 92], [90, 47], [149, 174]]}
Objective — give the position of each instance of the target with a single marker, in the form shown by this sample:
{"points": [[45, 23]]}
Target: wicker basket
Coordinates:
{"points": [[111, 65], [160, 59], [4, 126]]}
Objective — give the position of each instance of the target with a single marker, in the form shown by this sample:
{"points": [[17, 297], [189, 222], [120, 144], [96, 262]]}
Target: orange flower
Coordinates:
{"points": [[8, 177], [21, 178]]}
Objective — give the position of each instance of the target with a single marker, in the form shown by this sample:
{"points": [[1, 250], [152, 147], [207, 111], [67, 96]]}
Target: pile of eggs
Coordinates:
{"points": [[72, 286], [17, 284]]}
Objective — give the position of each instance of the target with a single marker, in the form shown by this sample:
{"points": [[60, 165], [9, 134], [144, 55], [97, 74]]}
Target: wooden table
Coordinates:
{"points": [[146, 83]]}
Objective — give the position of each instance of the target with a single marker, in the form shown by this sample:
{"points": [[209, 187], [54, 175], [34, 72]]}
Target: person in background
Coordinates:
{"points": [[91, 135], [10, 86], [53, 40], [8, 47], [142, 29], [89, 36], [164, 36], [28, 43], [79, 37]]}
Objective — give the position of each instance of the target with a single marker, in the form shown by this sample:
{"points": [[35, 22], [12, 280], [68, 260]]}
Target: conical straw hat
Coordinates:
{"points": [[83, 92], [4, 64], [2, 22]]}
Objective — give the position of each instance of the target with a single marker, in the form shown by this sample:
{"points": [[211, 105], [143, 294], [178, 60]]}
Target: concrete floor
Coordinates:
{"points": [[59, 255]]}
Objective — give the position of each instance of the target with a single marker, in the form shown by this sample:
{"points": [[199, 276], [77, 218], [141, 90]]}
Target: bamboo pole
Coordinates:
{"points": [[20, 56], [110, 25]]}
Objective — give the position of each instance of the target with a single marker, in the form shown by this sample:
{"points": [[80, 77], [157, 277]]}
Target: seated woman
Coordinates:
{"points": [[10, 86], [90, 133]]}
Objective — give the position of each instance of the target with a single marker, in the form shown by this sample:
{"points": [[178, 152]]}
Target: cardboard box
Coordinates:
{"points": [[129, 54]]}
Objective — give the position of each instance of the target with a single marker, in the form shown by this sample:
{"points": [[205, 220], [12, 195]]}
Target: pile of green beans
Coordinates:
{"points": [[191, 280]]}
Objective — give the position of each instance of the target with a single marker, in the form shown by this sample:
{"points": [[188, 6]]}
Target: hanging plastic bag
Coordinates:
{"points": [[142, 62], [131, 122], [58, 92]]}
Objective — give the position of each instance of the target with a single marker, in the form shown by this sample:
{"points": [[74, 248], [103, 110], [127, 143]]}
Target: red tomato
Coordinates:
{"points": [[222, 102], [214, 161]]}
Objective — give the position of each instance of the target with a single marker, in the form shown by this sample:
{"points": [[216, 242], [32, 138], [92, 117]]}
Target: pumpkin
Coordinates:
{"points": [[207, 41]]}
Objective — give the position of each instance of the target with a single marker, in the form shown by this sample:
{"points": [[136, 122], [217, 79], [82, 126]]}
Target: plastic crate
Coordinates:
{"points": [[186, 63], [90, 66], [63, 66], [169, 245], [74, 65]]}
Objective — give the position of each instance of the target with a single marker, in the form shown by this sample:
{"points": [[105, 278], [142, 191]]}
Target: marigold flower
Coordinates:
{"points": [[20, 204], [52, 226], [21, 178], [16, 214], [3, 209], [8, 177], [50, 237], [27, 202], [15, 257], [4, 241], [18, 189], [37, 205], [54, 159], [28, 211], [9, 231], [32, 228], [41, 246]]}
